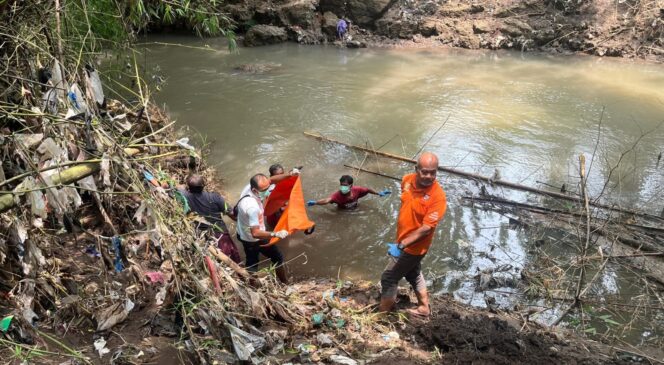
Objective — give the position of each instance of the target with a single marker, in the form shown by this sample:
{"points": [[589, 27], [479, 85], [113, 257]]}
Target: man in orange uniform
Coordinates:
{"points": [[423, 205]]}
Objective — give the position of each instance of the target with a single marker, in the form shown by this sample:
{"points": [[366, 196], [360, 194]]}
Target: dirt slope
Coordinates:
{"points": [[601, 27]]}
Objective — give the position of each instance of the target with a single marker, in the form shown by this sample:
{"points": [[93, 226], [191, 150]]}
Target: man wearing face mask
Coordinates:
{"points": [[348, 195], [423, 205], [251, 227]]}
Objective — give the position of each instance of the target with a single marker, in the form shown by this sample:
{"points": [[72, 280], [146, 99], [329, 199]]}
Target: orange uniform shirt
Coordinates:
{"points": [[419, 207]]}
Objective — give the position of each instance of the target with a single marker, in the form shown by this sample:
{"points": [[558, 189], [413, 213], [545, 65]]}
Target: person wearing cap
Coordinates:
{"points": [[251, 229], [423, 205], [348, 195], [209, 208]]}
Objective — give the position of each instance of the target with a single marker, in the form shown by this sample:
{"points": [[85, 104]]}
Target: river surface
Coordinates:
{"points": [[526, 116]]}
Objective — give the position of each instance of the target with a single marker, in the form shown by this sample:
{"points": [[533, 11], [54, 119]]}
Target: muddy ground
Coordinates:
{"points": [[351, 328], [631, 29]]}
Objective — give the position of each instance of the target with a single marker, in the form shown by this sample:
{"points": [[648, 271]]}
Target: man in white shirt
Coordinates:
{"points": [[251, 227]]}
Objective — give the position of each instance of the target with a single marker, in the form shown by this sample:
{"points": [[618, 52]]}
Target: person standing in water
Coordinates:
{"points": [[423, 205], [348, 195]]}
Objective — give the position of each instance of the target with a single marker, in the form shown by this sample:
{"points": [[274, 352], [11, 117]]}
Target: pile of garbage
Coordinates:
{"points": [[95, 243], [99, 261]]}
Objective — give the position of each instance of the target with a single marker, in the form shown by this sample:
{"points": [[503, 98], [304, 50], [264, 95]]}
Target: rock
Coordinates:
{"points": [[431, 27], [298, 13], [465, 38], [516, 8], [455, 10], [476, 8], [305, 36], [575, 44], [482, 26], [267, 14], [614, 52], [360, 12], [544, 36], [521, 25], [329, 24], [239, 12], [257, 68], [397, 29], [430, 7], [496, 42], [510, 30], [260, 35], [356, 44]]}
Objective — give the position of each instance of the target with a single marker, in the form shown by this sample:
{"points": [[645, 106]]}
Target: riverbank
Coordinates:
{"points": [[128, 280], [99, 262], [601, 28]]}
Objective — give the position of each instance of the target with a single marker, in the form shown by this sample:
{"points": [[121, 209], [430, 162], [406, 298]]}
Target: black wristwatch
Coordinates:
{"points": [[401, 246]]}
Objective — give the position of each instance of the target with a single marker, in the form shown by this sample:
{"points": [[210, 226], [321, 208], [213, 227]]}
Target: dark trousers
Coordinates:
{"points": [[253, 249], [408, 266]]}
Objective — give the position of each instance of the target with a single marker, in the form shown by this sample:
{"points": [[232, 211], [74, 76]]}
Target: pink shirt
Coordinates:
{"points": [[349, 201]]}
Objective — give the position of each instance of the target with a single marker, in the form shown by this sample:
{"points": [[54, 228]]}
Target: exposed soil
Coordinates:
{"points": [[599, 27], [469, 337]]}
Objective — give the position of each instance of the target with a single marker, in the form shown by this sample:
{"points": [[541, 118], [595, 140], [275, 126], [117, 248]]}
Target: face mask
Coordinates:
{"points": [[344, 189], [264, 194]]}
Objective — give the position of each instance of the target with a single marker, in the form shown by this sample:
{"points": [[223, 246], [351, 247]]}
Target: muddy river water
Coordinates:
{"points": [[526, 116]]}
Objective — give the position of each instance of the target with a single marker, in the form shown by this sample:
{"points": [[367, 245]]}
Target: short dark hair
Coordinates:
{"points": [[274, 168], [346, 179], [253, 182], [195, 183]]}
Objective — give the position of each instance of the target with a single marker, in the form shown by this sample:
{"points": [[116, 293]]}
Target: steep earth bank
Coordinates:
{"points": [[600, 27]]}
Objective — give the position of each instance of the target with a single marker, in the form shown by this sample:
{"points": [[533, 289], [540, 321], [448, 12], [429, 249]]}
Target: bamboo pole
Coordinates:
{"points": [[66, 176], [372, 172], [487, 179]]}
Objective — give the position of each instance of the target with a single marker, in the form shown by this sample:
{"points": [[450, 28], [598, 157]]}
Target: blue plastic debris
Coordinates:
{"points": [[117, 247], [92, 251], [72, 97]]}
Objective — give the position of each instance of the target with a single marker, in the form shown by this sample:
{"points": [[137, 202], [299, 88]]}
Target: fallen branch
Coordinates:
{"points": [[486, 179], [227, 260]]}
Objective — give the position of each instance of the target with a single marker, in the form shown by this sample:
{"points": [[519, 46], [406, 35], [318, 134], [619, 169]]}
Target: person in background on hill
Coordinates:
{"points": [[342, 28], [209, 208], [348, 195], [423, 205]]}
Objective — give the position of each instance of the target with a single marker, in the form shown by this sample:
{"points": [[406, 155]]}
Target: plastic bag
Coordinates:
{"points": [[244, 343]]}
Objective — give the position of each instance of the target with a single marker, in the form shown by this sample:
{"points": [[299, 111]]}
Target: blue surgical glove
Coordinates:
{"points": [[311, 203], [393, 249], [384, 193]]}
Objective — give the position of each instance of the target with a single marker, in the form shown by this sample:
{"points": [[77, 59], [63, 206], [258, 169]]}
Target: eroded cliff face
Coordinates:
{"points": [[600, 27]]}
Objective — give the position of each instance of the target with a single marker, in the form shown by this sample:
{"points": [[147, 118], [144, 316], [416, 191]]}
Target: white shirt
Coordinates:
{"points": [[250, 212]]}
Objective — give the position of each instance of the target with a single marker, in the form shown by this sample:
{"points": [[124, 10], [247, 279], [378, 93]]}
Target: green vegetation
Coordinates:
{"points": [[88, 27]]}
